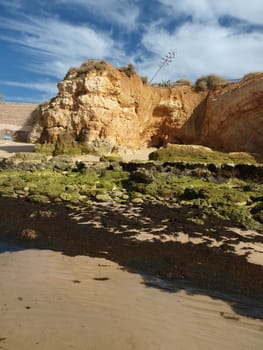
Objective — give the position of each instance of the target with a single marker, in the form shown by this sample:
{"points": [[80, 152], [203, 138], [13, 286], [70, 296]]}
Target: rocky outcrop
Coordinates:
{"points": [[105, 108], [233, 118]]}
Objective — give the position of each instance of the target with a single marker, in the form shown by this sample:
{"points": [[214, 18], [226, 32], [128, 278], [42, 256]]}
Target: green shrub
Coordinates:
{"points": [[92, 65], [45, 148], [129, 70], [166, 83], [251, 75], [144, 80], [183, 82], [65, 146], [86, 67], [209, 82]]}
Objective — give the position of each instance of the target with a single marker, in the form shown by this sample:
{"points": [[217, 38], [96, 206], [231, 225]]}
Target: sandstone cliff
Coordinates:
{"points": [[233, 118], [101, 106]]}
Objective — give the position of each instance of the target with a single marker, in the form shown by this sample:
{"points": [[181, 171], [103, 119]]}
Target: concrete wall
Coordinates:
{"points": [[16, 117]]}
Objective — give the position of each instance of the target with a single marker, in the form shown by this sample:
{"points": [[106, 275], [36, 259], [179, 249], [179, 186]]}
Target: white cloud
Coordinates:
{"points": [[251, 11], [203, 45], [47, 87], [203, 49], [121, 12], [54, 46], [27, 99], [11, 5], [198, 9], [204, 10]]}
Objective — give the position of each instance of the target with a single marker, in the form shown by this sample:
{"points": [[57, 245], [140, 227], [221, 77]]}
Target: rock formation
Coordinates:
{"points": [[105, 108], [233, 118]]}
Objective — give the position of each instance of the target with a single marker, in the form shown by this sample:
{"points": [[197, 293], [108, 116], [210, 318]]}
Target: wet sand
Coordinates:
{"points": [[177, 249], [52, 301], [9, 148]]}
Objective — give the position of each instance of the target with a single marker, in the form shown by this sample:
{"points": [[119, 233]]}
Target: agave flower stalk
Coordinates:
{"points": [[166, 60]]}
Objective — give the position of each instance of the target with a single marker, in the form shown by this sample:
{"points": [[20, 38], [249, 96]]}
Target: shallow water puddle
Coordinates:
{"points": [[51, 301]]}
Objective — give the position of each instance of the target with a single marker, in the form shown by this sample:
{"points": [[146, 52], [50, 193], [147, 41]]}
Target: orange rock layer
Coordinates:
{"points": [[111, 108]]}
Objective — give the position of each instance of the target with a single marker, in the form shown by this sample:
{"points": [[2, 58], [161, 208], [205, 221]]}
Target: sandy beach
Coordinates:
{"points": [[9, 148], [109, 275], [52, 301], [144, 238]]}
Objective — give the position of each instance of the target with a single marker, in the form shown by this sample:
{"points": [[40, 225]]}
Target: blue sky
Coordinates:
{"points": [[41, 39]]}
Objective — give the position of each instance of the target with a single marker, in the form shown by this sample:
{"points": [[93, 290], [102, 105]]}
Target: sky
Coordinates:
{"points": [[41, 39]]}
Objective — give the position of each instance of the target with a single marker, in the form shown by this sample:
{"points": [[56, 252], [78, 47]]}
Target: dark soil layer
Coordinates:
{"points": [[105, 231]]}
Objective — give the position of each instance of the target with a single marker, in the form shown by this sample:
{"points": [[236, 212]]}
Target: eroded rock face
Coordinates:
{"points": [[104, 108], [109, 108], [233, 118]]}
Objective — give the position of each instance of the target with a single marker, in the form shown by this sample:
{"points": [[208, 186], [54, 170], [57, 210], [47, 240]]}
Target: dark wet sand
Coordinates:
{"points": [[109, 231], [50, 301]]}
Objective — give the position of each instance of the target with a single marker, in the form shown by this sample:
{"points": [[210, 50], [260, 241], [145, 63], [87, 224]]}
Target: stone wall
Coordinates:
{"points": [[16, 118]]}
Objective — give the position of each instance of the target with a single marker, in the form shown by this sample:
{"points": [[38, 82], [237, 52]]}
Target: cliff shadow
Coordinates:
{"points": [[191, 130], [143, 239], [189, 133]]}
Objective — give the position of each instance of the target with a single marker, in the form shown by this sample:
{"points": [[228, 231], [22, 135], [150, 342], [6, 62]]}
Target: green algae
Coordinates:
{"points": [[231, 199], [201, 154]]}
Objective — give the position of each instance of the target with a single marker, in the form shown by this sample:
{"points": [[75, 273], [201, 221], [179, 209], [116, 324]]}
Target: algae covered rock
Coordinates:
{"points": [[142, 175], [103, 197]]}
